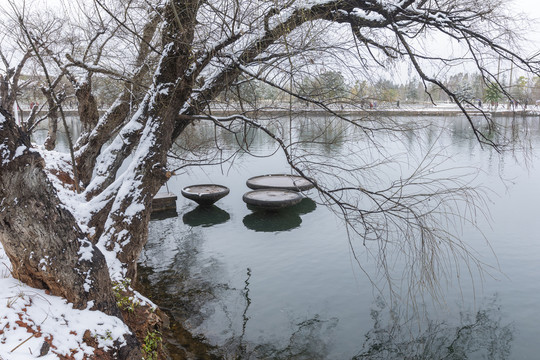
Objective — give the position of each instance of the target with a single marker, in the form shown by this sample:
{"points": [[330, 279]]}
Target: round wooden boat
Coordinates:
{"points": [[279, 181], [272, 199], [205, 194]]}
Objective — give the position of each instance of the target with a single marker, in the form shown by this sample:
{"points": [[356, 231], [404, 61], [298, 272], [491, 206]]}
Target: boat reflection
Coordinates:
{"points": [[272, 221], [305, 206], [278, 220], [205, 216]]}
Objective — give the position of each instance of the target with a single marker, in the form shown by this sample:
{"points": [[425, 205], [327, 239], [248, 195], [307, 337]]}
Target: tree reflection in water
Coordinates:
{"points": [[311, 339], [189, 289], [480, 335], [195, 292]]}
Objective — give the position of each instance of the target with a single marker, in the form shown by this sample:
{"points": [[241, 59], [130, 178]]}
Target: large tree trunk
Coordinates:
{"points": [[45, 245], [127, 212]]}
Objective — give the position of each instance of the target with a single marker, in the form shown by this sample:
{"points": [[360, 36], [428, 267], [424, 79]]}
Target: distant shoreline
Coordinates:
{"points": [[390, 112], [434, 111]]}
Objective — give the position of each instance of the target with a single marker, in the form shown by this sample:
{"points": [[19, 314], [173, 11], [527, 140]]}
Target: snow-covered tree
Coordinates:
{"points": [[172, 59]]}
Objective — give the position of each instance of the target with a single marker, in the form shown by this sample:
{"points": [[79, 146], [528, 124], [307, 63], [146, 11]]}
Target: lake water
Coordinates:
{"points": [[293, 285]]}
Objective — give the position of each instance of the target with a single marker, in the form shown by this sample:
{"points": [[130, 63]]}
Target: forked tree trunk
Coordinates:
{"points": [[45, 245], [89, 144]]}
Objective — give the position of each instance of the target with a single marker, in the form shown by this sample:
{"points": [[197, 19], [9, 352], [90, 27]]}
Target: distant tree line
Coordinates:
{"points": [[333, 86]]}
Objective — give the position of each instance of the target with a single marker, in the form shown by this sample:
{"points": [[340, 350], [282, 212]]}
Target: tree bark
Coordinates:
{"points": [[127, 222], [42, 238], [50, 142], [9, 83], [89, 144], [88, 107]]}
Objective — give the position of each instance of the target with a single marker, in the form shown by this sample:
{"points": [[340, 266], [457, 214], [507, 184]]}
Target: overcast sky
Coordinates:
{"points": [[529, 8], [532, 9]]}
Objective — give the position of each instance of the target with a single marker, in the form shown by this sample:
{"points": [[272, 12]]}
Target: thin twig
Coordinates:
{"points": [[16, 347]]}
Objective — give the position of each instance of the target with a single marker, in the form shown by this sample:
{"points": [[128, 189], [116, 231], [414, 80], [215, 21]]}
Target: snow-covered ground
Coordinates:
{"points": [[31, 318]]}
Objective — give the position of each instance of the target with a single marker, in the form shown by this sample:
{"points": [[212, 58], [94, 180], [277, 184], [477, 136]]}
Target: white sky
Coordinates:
{"points": [[529, 8]]}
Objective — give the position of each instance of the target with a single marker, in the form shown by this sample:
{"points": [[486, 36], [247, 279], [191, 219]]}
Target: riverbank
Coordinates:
{"points": [[178, 342], [35, 324]]}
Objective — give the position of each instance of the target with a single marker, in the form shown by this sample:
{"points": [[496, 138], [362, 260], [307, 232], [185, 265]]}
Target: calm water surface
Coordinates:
{"points": [[287, 285]]}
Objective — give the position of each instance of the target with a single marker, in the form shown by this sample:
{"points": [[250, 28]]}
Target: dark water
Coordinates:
{"points": [[288, 285], [292, 285]]}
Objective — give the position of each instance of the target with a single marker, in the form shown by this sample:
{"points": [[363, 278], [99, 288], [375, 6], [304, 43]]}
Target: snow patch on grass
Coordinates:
{"points": [[30, 317]]}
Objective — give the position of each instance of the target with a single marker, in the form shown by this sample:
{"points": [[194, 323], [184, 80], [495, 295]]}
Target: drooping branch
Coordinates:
{"points": [[479, 135], [408, 208]]}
